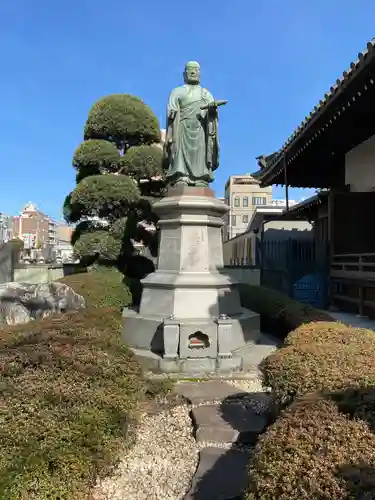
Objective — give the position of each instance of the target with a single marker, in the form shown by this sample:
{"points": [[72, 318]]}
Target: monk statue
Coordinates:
{"points": [[191, 149]]}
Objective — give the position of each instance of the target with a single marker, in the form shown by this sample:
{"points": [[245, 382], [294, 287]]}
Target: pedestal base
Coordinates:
{"points": [[190, 319], [147, 332], [191, 366]]}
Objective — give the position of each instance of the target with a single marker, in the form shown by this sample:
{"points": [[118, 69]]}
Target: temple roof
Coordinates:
{"points": [[267, 162]]}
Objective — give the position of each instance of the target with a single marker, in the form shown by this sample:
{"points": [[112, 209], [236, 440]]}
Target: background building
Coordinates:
{"points": [[37, 230], [243, 194], [63, 247], [6, 232]]}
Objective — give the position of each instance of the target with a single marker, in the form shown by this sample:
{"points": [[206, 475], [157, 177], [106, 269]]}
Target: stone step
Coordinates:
{"points": [[221, 474], [227, 423], [204, 392]]}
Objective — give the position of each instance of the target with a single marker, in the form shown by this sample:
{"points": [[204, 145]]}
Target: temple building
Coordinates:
{"points": [[333, 150]]}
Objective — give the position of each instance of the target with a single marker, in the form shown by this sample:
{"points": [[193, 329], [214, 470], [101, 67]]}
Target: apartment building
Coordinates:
{"points": [[63, 247], [5, 228], [36, 229], [243, 194]]}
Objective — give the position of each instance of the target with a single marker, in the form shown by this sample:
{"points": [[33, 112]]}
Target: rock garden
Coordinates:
{"points": [[80, 419]]}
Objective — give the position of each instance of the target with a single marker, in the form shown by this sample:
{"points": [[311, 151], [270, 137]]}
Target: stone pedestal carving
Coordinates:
{"points": [[190, 318]]}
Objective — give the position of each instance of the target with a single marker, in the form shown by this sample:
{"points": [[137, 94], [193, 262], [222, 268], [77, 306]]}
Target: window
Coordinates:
{"points": [[233, 220], [258, 200], [245, 219], [237, 201], [245, 201]]}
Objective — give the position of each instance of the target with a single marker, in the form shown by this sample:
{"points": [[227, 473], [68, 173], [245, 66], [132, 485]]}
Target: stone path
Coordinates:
{"points": [[227, 422], [199, 440]]}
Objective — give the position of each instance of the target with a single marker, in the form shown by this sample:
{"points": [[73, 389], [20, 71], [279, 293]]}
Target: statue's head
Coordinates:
{"points": [[192, 73]]}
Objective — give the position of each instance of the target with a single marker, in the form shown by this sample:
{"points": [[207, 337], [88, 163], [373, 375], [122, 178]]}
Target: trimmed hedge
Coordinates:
{"points": [[279, 314], [102, 287], [69, 398], [322, 446], [70, 395], [314, 451], [321, 333], [346, 359]]}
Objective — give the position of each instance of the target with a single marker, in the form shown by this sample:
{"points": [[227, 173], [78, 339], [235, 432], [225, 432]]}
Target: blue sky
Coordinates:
{"points": [[273, 60]]}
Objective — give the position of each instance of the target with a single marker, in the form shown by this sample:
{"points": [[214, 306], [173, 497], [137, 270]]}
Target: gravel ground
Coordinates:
{"points": [[164, 459], [161, 464]]}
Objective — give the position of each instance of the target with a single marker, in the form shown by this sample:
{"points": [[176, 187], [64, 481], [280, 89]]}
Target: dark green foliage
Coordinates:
{"points": [[279, 314], [71, 212], [86, 226], [123, 119], [99, 244], [92, 284], [119, 174], [118, 227], [105, 196], [97, 155], [142, 162]]}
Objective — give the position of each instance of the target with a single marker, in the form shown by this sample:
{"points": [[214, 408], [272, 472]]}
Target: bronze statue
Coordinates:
{"points": [[191, 149]]}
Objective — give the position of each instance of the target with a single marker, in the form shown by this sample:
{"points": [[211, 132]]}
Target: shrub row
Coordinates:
{"points": [[103, 287], [314, 451], [70, 393], [279, 314], [322, 445], [321, 357]]}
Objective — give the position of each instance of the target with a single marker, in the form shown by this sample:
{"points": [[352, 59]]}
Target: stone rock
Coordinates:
{"points": [[227, 423], [221, 474], [23, 302], [203, 392]]}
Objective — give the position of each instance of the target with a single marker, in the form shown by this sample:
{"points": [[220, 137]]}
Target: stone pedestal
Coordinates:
{"points": [[190, 318]]}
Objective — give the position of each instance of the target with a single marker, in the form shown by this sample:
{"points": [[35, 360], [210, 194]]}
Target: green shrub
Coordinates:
{"points": [[121, 150], [324, 332], [279, 314], [314, 451], [122, 118], [69, 394], [103, 287], [143, 162], [335, 364], [104, 195], [96, 155]]}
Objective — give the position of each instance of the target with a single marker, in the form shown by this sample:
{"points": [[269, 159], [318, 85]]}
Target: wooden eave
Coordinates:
{"points": [[356, 82]]}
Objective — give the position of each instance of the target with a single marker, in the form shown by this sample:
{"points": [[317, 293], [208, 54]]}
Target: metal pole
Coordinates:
{"points": [[286, 183]]}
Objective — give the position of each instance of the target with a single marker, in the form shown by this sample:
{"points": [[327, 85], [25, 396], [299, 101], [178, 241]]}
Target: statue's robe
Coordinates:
{"points": [[192, 135]]}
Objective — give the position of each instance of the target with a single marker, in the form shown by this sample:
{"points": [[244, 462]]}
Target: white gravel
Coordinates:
{"points": [[162, 463]]}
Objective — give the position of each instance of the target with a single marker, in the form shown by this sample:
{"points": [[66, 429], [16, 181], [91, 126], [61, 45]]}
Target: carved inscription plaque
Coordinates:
{"points": [[169, 250]]}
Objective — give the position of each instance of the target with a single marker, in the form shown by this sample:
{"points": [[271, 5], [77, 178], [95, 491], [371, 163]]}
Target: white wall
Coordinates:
{"points": [[360, 167]]}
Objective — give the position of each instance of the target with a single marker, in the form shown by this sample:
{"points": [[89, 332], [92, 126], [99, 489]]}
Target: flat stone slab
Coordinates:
{"points": [[221, 474], [227, 423], [252, 356], [208, 391]]}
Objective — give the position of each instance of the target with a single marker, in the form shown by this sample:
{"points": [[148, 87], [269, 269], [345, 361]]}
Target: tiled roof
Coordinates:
{"points": [[269, 161], [308, 203]]}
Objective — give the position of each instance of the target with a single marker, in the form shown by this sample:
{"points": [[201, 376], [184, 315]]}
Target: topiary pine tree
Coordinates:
{"points": [[119, 174]]}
